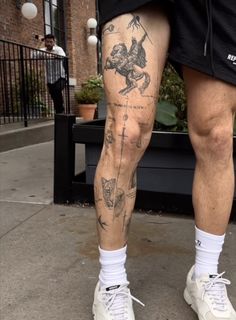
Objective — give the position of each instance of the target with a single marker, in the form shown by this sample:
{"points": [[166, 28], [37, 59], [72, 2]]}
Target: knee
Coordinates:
{"points": [[126, 144], [131, 139], [217, 143]]}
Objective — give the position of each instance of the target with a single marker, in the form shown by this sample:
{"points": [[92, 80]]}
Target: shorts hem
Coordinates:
{"points": [[198, 67], [119, 11]]}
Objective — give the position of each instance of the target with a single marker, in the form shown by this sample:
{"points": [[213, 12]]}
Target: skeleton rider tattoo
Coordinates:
{"points": [[130, 64]]}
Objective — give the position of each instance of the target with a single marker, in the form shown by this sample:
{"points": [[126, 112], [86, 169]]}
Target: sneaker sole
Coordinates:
{"points": [[189, 301], [93, 313]]}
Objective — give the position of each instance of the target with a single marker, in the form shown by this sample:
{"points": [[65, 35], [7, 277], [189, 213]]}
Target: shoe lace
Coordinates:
{"points": [[116, 302], [215, 289]]}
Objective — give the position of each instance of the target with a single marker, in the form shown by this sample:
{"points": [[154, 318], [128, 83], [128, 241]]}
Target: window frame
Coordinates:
{"points": [[55, 30]]}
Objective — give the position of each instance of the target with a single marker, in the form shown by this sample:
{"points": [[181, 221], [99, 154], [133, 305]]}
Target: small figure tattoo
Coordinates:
{"points": [[101, 223], [109, 29], [135, 23], [114, 197], [108, 187], [109, 138]]}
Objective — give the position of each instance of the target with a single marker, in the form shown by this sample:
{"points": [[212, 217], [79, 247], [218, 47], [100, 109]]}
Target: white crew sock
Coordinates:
{"points": [[112, 267], [208, 248]]}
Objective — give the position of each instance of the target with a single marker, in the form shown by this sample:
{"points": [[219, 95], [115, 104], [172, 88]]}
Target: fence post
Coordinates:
{"points": [[66, 60], [64, 158], [22, 86]]}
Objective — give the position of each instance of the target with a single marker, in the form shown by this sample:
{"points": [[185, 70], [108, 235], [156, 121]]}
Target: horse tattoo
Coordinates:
{"points": [[130, 64]]}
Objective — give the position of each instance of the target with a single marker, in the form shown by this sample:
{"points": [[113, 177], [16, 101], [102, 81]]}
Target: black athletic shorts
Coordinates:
{"points": [[203, 32], [204, 37], [109, 9]]}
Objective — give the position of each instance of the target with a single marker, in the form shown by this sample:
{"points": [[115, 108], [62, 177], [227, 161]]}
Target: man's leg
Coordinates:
{"points": [[55, 90], [134, 54], [211, 109]]}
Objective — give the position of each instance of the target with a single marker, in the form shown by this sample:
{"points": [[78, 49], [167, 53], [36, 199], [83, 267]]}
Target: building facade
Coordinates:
{"points": [[66, 19]]}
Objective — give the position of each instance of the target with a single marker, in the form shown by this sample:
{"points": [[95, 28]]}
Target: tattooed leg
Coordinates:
{"points": [[134, 53]]}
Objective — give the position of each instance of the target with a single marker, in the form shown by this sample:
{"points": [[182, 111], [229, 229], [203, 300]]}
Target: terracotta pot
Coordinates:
{"points": [[87, 111]]}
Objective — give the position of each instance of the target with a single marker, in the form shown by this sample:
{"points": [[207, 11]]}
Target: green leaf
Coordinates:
{"points": [[166, 113]]}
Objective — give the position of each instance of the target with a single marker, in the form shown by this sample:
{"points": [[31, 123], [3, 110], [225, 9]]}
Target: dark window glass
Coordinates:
{"points": [[54, 20]]}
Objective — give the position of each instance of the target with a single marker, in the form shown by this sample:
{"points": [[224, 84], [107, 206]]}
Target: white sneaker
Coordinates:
{"points": [[207, 296], [113, 303]]}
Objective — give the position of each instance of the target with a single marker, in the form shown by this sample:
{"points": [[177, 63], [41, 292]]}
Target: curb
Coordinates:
{"points": [[22, 137]]}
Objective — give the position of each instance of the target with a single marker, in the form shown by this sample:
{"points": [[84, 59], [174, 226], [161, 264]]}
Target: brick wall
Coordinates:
{"points": [[14, 27], [83, 59], [83, 56]]}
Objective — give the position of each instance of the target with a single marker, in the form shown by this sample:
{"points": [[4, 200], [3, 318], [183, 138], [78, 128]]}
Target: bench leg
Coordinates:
{"points": [[64, 158]]}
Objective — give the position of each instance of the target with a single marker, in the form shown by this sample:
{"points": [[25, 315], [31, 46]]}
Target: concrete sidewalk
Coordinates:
{"points": [[48, 262]]}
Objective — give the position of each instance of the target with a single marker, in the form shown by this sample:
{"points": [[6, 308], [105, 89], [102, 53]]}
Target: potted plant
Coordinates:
{"points": [[88, 96]]}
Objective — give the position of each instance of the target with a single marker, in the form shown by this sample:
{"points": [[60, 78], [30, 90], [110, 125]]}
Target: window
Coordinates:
{"points": [[54, 20]]}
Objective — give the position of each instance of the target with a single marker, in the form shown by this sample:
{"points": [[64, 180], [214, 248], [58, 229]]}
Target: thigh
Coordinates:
{"points": [[211, 102], [134, 54]]}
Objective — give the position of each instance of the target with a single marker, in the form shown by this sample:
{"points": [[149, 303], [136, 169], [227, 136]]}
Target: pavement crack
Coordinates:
{"points": [[20, 223]]}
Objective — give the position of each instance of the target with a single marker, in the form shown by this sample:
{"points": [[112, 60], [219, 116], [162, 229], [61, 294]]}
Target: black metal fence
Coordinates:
{"points": [[24, 76]]}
